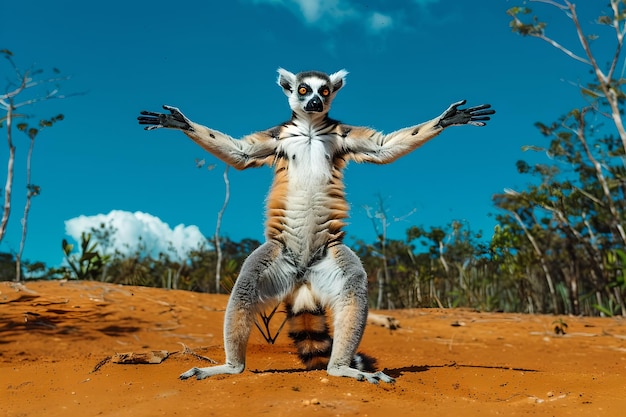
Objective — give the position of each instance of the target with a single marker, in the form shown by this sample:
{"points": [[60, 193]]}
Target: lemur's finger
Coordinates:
{"points": [[453, 107], [171, 109], [483, 113], [148, 120], [149, 113], [481, 107]]}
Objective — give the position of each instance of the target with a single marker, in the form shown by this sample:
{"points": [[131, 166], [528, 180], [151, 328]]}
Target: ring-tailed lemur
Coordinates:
{"points": [[303, 261]]}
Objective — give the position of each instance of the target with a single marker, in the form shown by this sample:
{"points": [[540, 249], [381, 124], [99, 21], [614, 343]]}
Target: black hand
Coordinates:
{"points": [[476, 116], [175, 120]]}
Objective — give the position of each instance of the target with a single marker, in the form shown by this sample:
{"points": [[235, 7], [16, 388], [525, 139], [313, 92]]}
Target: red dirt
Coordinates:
{"points": [[55, 338]]}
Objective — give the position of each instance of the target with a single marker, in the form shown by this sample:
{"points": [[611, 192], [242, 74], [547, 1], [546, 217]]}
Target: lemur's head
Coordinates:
{"points": [[310, 92]]}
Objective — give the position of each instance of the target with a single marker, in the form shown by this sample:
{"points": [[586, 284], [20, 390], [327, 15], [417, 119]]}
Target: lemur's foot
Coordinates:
{"points": [[175, 120], [371, 377], [201, 373], [476, 116]]}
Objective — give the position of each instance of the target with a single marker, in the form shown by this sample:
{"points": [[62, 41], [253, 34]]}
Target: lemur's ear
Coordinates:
{"points": [[338, 79], [286, 80]]}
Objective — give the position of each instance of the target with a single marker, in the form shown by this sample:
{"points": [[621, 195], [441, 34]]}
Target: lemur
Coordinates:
{"points": [[304, 261]]}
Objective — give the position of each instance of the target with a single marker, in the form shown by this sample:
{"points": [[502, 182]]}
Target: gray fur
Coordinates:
{"points": [[304, 261]]}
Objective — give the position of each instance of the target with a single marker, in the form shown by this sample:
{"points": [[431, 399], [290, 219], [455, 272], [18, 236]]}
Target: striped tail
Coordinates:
{"points": [[310, 333]]}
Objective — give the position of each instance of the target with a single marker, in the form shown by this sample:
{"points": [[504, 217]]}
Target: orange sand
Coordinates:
{"points": [[55, 338]]}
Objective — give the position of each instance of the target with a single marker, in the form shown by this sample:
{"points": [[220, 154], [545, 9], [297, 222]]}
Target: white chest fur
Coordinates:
{"points": [[309, 171], [309, 152]]}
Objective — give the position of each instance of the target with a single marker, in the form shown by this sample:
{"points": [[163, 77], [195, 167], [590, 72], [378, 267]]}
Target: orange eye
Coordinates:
{"points": [[325, 92], [302, 91]]}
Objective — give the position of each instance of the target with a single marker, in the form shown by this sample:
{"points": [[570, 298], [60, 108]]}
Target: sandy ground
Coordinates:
{"points": [[58, 341]]}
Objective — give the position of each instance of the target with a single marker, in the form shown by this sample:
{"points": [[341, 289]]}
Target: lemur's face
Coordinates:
{"points": [[310, 92], [313, 93]]}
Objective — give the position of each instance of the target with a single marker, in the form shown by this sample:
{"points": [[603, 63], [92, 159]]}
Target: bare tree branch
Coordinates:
{"points": [[218, 246], [552, 3], [9, 182], [605, 81], [563, 49], [542, 259], [619, 34]]}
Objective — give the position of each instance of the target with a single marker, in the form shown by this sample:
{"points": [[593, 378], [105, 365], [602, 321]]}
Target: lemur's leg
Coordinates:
{"points": [[265, 276], [340, 281]]}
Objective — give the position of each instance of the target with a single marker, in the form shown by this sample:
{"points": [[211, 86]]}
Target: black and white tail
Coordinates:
{"points": [[310, 333]]}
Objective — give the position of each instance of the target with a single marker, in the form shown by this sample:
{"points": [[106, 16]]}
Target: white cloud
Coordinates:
{"points": [[311, 10], [132, 230], [379, 22], [327, 14], [375, 16]]}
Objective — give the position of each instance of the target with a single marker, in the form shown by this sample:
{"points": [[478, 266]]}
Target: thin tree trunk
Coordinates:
{"points": [[381, 289], [603, 80], [31, 192], [442, 259], [383, 245], [620, 300], [382, 277], [177, 275], [615, 217], [9, 183], [542, 260], [18, 256], [218, 246]]}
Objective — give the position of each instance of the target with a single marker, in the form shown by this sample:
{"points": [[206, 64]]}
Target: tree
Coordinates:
{"points": [[30, 81], [455, 270], [380, 223], [32, 190], [218, 225], [25, 89], [573, 215], [607, 89]]}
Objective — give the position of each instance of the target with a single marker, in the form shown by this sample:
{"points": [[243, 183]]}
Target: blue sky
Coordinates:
{"points": [[408, 60]]}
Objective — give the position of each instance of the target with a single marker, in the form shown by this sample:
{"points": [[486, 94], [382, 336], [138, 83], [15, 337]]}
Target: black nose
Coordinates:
{"points": [[315, 104]]}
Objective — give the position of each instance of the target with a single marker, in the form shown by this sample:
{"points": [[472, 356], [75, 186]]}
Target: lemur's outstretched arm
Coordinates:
{"points": [[253, 150], [368, 145]]}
